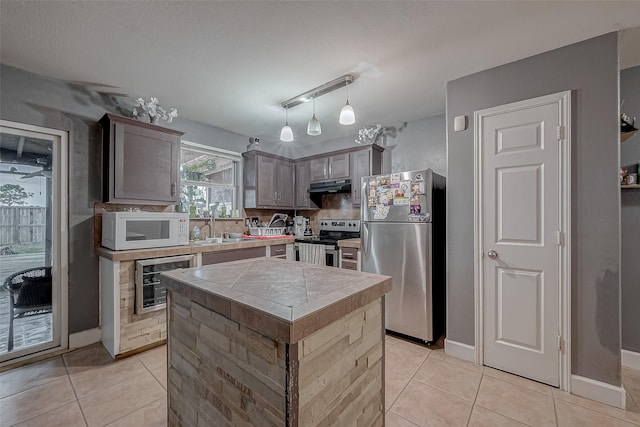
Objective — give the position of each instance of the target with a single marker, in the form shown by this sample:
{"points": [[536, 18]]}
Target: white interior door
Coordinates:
{"points": [[521, 236]]}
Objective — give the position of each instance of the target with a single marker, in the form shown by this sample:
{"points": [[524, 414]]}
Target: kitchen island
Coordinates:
{"points": [[273, 342]]}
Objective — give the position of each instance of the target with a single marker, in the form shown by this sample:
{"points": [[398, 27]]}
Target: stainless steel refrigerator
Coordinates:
{"points": [[403, 236]]}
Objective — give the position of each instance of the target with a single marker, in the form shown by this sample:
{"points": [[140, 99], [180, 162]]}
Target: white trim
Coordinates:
{"points": [[630, 359], [231, 155], [60, 234], [563, 99], [84, 338], [110, 305], [461, 351], [598, 391]]}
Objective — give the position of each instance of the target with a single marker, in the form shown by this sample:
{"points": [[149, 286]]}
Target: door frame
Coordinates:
{"points": [[563, 99], [60, 221]]}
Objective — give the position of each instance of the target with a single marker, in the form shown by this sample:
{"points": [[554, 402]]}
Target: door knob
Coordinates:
{"points": [[492, 254]]}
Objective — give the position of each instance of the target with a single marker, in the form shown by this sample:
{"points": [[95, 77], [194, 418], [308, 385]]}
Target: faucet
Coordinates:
{"points": [[210, 224]]}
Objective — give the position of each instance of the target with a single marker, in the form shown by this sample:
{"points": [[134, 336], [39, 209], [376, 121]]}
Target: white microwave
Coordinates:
{"points": [[138, 230]]}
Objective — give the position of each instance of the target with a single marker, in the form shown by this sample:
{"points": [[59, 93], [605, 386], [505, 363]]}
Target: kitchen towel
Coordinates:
{"points": [[313, 254]]}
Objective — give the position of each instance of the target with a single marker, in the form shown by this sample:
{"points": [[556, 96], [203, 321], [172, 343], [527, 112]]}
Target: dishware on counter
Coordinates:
{"points": [[278, 220]]}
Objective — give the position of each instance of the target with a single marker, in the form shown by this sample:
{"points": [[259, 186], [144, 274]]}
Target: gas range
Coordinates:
{"points": [[332, 230]]}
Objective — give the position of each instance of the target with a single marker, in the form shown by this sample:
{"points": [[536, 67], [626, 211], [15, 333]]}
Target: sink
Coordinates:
{"points": [[237, 239]]}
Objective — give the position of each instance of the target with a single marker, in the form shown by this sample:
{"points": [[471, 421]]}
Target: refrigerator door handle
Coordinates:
{"points": [[366, 241]]}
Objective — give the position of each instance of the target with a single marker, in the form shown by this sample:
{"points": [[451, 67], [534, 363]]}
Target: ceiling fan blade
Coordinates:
{"points": [[46, 174]]}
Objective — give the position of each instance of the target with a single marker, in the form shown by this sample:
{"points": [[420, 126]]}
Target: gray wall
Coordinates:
{"points": [[590, 70], [630, 216], [421, 144], [32, 99]]}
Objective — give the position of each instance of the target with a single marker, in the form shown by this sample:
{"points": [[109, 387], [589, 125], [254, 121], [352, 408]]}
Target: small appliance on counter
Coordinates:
{"points": [[139, 230], [299, 225], [291, 230]]}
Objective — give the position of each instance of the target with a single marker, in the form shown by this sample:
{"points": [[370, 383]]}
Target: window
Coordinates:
{"points": [[208, 180]]}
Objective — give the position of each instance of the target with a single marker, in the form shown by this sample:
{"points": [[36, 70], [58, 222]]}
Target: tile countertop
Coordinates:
{"points": [[285, 300], [349, 243], [192, 248]]}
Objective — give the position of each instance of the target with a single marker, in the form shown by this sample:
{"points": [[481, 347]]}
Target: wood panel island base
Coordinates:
{"points": [[275, 343]]}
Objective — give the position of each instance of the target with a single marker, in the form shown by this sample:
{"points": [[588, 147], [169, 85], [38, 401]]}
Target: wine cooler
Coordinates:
{"points": [[150, 294]]}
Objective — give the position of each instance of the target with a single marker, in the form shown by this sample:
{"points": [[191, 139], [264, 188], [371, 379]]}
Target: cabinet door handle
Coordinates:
{"points": [[329, 169], [173, 189], [347, 255], [324, 169]]}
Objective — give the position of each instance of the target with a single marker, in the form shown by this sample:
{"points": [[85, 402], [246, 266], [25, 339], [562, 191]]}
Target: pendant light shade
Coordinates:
{"points": [[347, 115], [286, 134], [314, 128]]}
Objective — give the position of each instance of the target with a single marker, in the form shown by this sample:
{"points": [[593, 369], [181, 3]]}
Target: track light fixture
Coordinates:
{"points": [[347, 115]]}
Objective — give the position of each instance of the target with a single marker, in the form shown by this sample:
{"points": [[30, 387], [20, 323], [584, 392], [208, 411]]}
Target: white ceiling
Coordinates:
{"points": [[230, 64]]}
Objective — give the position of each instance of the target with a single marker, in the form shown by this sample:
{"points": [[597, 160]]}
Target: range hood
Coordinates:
{"points": [[317, 189]]}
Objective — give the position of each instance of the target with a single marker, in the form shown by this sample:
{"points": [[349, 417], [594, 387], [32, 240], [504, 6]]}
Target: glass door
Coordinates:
{"points": [[33, 242]]}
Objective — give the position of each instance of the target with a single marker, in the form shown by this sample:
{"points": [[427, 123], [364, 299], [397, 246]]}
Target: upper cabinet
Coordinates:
{"points": [[140, 162], [267, 181], [303, 178], [272, 181], [364, 162], [329, 167]]}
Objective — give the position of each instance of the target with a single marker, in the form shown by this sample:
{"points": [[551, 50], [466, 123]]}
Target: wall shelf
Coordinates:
{"points": [[627, 187]]}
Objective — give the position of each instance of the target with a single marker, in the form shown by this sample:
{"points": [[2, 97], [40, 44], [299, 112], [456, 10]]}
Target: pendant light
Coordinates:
{"points": [[313, 128], [347, 115], [286, 134]]}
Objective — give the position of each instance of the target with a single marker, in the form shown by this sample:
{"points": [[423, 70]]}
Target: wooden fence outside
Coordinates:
{"points": [[20, 224]]}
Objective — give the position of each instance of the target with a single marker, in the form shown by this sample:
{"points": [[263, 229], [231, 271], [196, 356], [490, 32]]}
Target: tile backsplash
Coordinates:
{"points": [[334, 206]]}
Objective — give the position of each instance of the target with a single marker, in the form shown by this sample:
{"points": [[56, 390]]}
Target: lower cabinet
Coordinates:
{"points": [[126, 328], [278, 251], [218, 257], [350, 259]]}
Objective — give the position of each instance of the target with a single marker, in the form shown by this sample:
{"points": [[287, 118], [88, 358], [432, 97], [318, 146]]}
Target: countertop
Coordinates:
{"points": [[285, 300], [349, 243], [193, 248]]}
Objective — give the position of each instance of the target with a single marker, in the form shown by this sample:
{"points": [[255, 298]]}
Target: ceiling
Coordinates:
{"points": [[230, 64]]}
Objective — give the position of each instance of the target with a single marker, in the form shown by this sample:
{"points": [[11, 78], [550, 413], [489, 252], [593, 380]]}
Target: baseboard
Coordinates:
{"points": [[461, 351], [84, 338], [598, 391], [630, 359]]}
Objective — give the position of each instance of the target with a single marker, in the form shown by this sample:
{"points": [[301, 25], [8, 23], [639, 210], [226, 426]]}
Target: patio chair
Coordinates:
{"points": [[29, 295]]}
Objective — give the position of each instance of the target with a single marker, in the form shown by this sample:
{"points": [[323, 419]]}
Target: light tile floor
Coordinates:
{"points": [[424, 387]]}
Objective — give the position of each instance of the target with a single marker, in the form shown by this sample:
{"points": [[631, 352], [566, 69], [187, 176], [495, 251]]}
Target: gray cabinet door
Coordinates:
{"points": [[302, 180], [360, 166], [266, 180], [284, 189], [218, 257], [339, 166], [141, 162], [318, 169]]}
